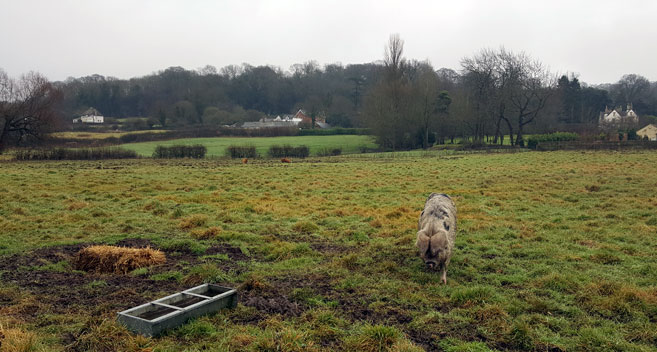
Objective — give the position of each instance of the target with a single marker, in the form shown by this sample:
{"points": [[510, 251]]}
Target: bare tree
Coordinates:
{"points": [[393, 58], [387, 107], [631, 89], [530, 97], [506, 88], [27, 107], [426, 92], [480, 78], [430, 100]]}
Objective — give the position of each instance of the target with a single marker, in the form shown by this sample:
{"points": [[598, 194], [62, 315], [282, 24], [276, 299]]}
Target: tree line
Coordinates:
{"points": [[178, 97], [494, 95]]}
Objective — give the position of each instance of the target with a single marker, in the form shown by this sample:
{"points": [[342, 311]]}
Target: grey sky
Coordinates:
{"points": [[600, 40]]}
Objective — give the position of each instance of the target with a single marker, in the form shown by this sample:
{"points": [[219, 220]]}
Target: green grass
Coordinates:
{"points": [[555, 251], [217, 146], [99, 135]]}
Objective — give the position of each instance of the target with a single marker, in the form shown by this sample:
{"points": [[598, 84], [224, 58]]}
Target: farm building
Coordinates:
{"points": [[287, 121], [90, 116], [319, 121], [649, 132], [268, 124]]}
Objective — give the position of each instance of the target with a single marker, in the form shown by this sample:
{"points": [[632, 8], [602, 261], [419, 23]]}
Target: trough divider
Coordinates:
{"points": [[196, 294], [227, 293], [166, 316], [168, 306]]}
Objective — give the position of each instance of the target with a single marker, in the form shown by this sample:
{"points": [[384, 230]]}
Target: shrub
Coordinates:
{"points": [[75, 154], [196, 151], [533, 141], [277, 151], [244, 151]]}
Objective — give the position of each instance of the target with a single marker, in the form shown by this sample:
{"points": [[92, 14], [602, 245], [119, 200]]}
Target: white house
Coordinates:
{"points": [[286, 121], [618, 117], [90, 116]]}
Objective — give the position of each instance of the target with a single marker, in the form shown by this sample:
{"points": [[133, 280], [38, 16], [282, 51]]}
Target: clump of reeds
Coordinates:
{"points": [[112, 259]]}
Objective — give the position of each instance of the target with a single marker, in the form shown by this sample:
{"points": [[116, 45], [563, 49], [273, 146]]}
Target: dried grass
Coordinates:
{"points": [[15, 339], [205, 234], [112, 259]]}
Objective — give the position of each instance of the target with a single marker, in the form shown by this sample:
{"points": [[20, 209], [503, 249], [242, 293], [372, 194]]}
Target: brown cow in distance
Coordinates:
{"points": [[245, 160], [286, 160]]}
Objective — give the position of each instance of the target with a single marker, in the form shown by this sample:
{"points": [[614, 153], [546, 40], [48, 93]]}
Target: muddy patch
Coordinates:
{"points": [[47, 275], [328, 248], [268, 299], [276, 297]]}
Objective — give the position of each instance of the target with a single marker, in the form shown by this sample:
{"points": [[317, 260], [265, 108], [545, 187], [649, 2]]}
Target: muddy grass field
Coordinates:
{"points": [[555, 252]]}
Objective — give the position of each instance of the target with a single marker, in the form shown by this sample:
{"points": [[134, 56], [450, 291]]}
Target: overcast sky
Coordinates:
{"points": [[599, 40]]}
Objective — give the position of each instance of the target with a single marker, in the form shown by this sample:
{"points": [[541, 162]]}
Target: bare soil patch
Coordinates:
{"points": [[72, 292]]}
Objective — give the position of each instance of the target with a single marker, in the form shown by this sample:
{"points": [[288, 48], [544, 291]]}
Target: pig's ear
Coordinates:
{"points": [[422, 242]]}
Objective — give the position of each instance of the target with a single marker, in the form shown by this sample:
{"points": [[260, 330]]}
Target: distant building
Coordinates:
{"points": [[301, 115], [649, 132], [287, 121], [268, 124], [90, 116], [617, 118], [285, 118]]}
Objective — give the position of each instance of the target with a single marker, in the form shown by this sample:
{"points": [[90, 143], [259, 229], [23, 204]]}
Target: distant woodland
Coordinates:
{"points": [[406, 103]]}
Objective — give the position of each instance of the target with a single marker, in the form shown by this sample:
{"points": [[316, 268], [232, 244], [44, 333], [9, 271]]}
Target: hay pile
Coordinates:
{"points": [[112, 259]]}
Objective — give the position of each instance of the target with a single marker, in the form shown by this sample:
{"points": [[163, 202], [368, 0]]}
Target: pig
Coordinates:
{"points": [[437, 232]]}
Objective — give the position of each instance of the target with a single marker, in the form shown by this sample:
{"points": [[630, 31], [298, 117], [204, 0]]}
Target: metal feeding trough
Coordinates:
{"points": [[153, 318]]}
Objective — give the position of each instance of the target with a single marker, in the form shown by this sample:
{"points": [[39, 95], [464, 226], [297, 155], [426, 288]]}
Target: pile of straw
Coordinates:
{"points": [[112, 259]]}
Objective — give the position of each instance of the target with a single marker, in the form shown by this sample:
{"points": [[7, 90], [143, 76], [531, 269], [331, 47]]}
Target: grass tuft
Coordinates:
{"points": [[374, 338], [16, 339], [193, 221], [206, 234]]}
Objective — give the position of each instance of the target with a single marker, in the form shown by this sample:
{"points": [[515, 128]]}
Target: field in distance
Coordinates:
{"points": [[555, 251], [217, 145], [98, 135]]}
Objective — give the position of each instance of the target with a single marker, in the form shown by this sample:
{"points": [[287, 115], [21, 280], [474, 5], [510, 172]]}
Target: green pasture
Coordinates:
{"points": [[555, 251], [98, 135]]}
